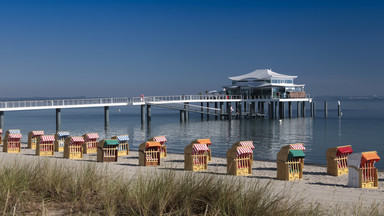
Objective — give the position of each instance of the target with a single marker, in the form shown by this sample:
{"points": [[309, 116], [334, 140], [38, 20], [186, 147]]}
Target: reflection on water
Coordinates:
{"points": [[268, 135]]}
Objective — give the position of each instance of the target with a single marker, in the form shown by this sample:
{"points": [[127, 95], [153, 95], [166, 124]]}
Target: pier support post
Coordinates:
{"points": [[207, 110], [290, 109], [58, 119], [221, 110], [245, 107], [338, 109], [311, 108], [262, 108], [106, 117], [303, 109], [182, 115], [281, 110], [236, 109], [186, 112], [270, 110], [142, 113], [253, 109], [229, 110], [276, 116], [325, 109], [149, 113], [298, 109], [2, 119], [202, 115], [240, 111], [314, 108], [216, 116]]}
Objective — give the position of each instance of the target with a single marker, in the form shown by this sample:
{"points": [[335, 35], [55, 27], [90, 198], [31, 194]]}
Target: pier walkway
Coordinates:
{"points": [[223, 105], [126, 101]]}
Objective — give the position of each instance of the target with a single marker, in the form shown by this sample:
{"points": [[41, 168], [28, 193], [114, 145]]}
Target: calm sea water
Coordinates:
{"points": [[360, 126]]}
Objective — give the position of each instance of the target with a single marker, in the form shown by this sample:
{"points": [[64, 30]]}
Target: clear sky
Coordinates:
{"points": [[127, 48]]}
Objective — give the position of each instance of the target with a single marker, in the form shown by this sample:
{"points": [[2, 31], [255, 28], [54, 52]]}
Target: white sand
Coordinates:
{"points": [[315, 187]]}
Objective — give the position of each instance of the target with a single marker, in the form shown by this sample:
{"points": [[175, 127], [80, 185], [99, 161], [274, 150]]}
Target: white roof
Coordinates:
{"points": [[261, 74]]}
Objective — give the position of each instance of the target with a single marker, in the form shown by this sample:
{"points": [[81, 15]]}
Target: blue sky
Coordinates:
{"points": [[128, 48]]}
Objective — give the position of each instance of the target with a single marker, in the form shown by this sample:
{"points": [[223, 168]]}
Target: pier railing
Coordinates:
{"points": [[262, 97], [63, 103], [123, 101], [182, 98]]}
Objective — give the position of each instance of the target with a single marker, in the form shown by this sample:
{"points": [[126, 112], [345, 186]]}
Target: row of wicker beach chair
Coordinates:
{"points": [[290, 158]]}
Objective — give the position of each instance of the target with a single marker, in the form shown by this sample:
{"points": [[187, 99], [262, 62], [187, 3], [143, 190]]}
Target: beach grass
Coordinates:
{"points": [[52, 188]]}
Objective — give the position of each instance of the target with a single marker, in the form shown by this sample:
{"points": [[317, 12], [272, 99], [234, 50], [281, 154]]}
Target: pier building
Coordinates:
{"points": [[264, 83]]}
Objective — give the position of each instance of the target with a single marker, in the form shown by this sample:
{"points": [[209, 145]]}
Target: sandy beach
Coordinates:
{"points": [[315, 187]]}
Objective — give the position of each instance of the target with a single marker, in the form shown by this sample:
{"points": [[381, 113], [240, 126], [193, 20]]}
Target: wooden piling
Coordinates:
{"points": [[58, 120], [202, 110], [207, 110], [245, 107], [240, 112], [290, 109], [106, 117], [216, 117], [298, 110], [276, 114], [229, 110], [186, 112], [281, 110], [252, 110], [221, 111], [149, 113], [262, 108], [182, 115], [142, 114], [311, 109]]}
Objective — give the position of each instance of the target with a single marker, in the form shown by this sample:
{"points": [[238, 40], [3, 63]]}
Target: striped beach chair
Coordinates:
{"points": [[12, 142], [73, 148], [246, 144], [32, 138], [123, 148], [90, 144], [206, 142], [240, 158], [162, 140], [45, 145], [290, 162], [196, 157], [60, 140]]}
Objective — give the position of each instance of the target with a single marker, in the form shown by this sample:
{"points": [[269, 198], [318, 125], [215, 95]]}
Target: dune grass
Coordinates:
{"points": [[53, 188]]}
